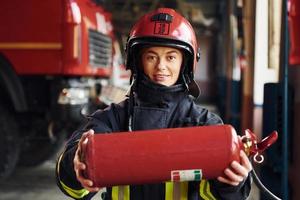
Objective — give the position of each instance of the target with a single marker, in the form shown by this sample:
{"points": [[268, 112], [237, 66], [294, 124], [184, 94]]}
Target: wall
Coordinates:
{"points": [[205, 74]]}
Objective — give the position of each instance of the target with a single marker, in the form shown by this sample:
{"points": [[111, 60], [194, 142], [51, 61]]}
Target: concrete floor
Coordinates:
{"points": [[36, 183], [39, 184], [32, 184]]}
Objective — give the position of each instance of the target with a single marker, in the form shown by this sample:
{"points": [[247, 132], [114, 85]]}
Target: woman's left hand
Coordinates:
{"points": [[237, 172]]}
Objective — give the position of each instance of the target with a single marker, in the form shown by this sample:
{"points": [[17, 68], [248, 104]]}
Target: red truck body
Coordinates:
{"points": [[55, 56], [294, 28], [45, 37]]}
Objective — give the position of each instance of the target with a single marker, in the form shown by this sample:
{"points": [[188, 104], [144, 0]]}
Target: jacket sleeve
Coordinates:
{"points": [[65, 174], [227, 192]]}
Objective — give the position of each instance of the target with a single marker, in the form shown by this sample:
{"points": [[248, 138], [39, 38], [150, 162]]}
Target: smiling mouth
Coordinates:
{"points": [[161, 77]]}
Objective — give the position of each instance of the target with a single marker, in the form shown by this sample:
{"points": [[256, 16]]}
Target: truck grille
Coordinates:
{"points": [[100, 49]]}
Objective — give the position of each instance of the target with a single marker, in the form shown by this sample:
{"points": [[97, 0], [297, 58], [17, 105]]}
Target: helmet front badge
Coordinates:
{"points": [[162, 23], [161, 28]]}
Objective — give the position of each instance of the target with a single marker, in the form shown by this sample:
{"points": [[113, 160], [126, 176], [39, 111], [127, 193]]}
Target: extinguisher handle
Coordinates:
{"points": [[267, 141], [255, 148]]}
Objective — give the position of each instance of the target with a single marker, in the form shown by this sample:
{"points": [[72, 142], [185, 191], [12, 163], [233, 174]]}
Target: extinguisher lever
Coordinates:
{"points": [[254, 148], [267, 141]]}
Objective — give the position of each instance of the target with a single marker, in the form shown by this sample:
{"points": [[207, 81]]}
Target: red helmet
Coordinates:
{"points": [[164, 27]]}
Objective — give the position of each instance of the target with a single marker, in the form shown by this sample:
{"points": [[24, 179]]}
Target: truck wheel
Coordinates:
{"points": [[9, 143], [45, 141]]}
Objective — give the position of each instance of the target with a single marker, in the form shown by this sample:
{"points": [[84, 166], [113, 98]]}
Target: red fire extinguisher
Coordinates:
{"points": [[178, 154]]}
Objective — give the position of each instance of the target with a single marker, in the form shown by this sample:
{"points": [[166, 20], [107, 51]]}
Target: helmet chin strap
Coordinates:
{"points": [[185, 81], [182, 78], [131, 100]]}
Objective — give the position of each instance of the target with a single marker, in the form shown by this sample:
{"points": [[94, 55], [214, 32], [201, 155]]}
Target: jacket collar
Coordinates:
{"points": [[151, 93]]}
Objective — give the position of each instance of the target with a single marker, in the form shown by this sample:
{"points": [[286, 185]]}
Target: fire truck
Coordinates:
{"points": [[55, 56]]}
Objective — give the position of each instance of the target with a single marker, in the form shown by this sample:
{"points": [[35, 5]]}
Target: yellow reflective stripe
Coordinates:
{"points": [[72, 192], [169, 191], [120, 192], [76, 41], [31, 45], [204, 190], [176, 191], [184, 190], [77, 194], [209, 192], [126, 192], [115, 193]]}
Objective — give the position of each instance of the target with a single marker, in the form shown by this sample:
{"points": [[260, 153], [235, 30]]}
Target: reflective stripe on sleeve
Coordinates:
{"points": [[204, 190], [77, 194], [120, 192], [176, 190]]}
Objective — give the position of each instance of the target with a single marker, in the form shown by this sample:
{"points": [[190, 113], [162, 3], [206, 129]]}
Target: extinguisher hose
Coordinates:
{"points": [[261, 186]]}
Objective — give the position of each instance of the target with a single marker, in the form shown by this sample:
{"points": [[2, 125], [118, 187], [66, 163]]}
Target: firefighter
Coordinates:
{"points": [[161, 53]]}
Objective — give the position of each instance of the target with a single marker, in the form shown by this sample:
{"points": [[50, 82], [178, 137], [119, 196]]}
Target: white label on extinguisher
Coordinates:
{"points": [[186, 175]]}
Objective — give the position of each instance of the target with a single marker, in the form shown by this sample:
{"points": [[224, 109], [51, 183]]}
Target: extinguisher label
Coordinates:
{"points": [[186, 175]]}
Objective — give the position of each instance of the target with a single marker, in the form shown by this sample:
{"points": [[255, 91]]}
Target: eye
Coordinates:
{"points": [[151, 58], [171, 58]]}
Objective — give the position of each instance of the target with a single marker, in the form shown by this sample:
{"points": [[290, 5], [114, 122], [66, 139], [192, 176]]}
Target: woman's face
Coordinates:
{"points": [[162, 64]]}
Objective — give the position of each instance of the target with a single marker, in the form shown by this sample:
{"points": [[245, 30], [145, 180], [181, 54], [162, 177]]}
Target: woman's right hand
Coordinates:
{"points": [[80, 166]]}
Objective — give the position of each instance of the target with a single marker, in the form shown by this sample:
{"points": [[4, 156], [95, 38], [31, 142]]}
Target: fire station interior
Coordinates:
{"points": [[248, 73], [239, 78]]}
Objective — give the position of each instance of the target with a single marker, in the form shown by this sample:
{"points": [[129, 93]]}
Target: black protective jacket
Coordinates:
{"points": [[154, 107]]}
